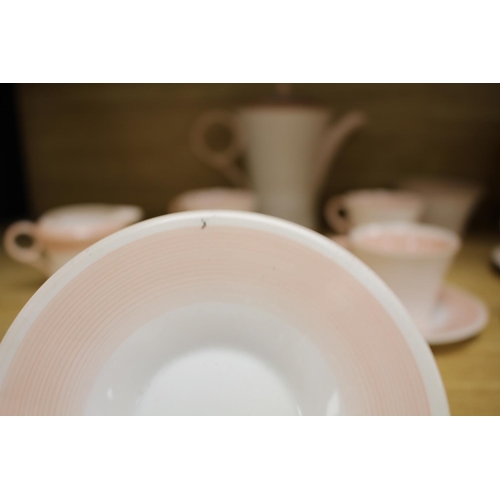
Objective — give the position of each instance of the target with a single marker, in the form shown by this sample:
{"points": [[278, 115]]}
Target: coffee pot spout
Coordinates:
{"points": [[332, 141]]}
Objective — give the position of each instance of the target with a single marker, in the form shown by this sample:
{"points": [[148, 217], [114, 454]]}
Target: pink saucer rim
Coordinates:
{"points": [[468, 331]]}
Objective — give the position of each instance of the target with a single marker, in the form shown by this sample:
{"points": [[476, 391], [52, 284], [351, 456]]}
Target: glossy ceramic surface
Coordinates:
{"points": [[355, 208], [61, 233], [209, 313], [288, 150], [411, 258], [457, 316]]}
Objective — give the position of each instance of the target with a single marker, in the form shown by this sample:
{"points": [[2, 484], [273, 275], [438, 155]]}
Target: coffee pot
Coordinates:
{"points": [[288, 145]]}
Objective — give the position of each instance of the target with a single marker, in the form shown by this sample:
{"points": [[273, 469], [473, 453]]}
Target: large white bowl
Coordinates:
{"points": [[216, 312]]}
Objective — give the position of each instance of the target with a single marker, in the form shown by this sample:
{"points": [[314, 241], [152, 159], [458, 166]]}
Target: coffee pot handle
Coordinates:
{"points": [[33, 254], [224, 161]]}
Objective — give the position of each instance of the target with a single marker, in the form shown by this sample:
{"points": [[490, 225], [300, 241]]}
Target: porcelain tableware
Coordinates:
{"points": [[355, 208], [457, 316], [288, 147], [411, 258], [216, 313], [62, 233]]}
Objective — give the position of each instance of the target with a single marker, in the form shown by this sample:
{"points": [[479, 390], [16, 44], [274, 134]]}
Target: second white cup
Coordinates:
{"points": [[355, 208], [411, 258]]}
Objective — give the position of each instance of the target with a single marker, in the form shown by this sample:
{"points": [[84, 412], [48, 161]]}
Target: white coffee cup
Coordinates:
{"points": [[354, 208], [214, 199], [63, 232], [411, 258], [448, 202]]}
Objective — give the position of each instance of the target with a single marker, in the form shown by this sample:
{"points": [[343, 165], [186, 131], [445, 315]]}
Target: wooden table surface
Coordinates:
{"points": [[470, 369]]}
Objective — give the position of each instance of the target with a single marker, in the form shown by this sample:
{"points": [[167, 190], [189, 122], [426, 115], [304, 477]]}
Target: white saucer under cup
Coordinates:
{"points": [[457, 316], [216, 313]]}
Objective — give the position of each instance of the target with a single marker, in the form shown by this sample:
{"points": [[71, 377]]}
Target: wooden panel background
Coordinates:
{"points": [[129, 143]]}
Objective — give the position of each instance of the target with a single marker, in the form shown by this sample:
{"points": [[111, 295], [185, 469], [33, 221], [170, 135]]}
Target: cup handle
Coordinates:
{"points": [[333, 216], [33, 254], [223, 161]]}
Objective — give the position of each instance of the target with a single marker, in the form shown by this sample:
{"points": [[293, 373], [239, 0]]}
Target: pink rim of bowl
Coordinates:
{"points": [[51, 354]]}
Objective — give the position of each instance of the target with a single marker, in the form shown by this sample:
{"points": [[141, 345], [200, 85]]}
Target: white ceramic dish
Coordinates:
{"points": [[209, 313], [411, 258], [288, 146], [63, 232], [371, 205], [458, 316]]}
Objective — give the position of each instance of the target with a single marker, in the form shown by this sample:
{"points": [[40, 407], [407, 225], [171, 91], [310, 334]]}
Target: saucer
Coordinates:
{"points": [[216, 313], [458, 316]]}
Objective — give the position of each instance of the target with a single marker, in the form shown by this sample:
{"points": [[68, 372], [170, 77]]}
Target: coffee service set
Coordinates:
{"points": [[237, 280], [409, 236]]}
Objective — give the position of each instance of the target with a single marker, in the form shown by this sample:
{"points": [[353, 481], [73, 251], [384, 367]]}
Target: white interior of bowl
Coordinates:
{"points": [[247, 368]]}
